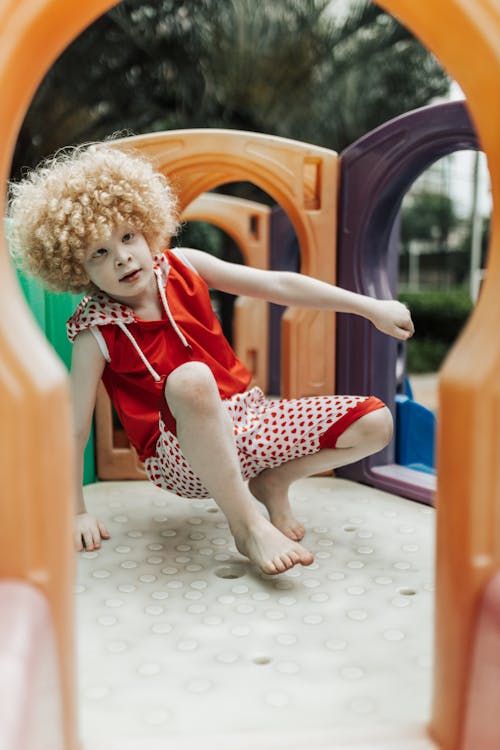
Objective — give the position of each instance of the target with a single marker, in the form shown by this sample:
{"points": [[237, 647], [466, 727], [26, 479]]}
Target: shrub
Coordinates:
{"points": [[438, 317]]}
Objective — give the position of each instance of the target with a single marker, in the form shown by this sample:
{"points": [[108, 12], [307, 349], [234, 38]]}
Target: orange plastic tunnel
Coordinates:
{"points": [[35, 457], [303, 179]]}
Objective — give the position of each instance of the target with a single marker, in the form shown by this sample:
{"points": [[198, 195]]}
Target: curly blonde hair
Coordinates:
{"points": [[78, 197]]}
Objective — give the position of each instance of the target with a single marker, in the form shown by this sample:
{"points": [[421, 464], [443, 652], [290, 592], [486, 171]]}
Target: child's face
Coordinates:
{"points": [[121, 264]]}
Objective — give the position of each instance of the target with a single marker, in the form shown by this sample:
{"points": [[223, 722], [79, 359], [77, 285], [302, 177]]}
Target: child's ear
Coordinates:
{"points": [[84, 284], [90, 288]]}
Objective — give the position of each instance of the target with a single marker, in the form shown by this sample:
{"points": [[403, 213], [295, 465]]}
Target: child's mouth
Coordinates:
{"points": [[131, 277]]}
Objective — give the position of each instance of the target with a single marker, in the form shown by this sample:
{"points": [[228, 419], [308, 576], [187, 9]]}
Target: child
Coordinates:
{"points": [[99, 220]]}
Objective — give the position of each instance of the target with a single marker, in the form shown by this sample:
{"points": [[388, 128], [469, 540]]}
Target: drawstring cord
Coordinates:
{"points": [[123, 327], [163, 296]]}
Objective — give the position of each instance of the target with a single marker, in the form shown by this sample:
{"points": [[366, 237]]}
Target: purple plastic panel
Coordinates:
{"points": [[284, 256], [376, 173]]}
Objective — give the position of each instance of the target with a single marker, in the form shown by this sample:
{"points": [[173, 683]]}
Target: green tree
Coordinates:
{"points": [[465, 244], [127, 72], [286, 67], [374, 71], [430, 217]]}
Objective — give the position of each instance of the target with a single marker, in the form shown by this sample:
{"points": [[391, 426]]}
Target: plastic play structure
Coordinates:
{"points": [[247, 223], [37, 646], [416, 427], [303, 179], [267, 240], [376, 172]]}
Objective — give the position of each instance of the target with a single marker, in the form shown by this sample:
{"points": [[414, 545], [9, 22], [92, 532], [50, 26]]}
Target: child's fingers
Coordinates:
{"points": [[88, 539], [403, 334], [88, 532], [77, 538], [409, 327], [103, 531]]}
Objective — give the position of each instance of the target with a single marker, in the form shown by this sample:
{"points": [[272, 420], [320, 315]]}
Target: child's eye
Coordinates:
{"points": [[127, 237], [100, 252]]}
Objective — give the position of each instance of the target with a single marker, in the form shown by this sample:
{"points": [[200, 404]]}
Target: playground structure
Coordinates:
{"points": [[366, 262], [303, 179], [376, 173], [36, 525]]}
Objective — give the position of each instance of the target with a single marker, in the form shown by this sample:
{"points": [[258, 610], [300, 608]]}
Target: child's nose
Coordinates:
{"points": [[122, 256]]}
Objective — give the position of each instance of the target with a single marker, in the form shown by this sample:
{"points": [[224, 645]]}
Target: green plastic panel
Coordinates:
{"points": [[51, 312]]}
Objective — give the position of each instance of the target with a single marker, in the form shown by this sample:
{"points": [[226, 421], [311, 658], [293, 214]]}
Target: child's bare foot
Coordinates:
{"points": [[269, 549], [274, 496]]}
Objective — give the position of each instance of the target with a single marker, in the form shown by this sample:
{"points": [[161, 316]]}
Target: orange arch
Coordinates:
{"points": [[303, 179], [468, 493], [33, 389], [300, 177], [248, 224]]}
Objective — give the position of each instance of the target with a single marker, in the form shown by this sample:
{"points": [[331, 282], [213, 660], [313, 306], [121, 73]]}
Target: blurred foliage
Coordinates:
{"points": [[430, 217], [213, 240], [204, 236], [439, 314], [438, 269], [287, 67], [425, 356], [466, 241], [439, 317]]}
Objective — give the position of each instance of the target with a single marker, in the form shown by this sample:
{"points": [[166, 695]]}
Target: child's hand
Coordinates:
{"points": [[88, 532], [393, 318]]}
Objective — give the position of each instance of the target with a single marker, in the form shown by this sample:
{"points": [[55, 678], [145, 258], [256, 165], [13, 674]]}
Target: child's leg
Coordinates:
{"points": [[205, 434], [367, 435]]}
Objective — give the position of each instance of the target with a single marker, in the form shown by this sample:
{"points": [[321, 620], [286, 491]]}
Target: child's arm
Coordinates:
{"points": [[87, 365], [295, 289]]}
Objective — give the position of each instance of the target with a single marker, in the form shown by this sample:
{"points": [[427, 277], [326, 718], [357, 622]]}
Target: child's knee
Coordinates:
{"points": [[377, 427], [190, 385], [374, 429]]}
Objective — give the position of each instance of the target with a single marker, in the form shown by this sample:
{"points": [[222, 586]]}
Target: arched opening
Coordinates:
{"points": [[452, 28], [444, 239], [207, 236], [369, 259], [444, 235], [267, 240]]}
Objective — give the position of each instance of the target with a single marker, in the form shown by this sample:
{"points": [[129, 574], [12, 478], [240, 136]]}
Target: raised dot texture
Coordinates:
{"points": [[180, 626]]}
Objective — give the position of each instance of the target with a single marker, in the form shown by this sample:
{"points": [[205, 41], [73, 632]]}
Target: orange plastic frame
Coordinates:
{"points": [[35, 442], [303, 180], [247, 222]]}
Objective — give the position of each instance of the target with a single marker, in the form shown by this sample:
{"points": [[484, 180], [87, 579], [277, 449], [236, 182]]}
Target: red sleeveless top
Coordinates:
{"points": [[140, 354]]}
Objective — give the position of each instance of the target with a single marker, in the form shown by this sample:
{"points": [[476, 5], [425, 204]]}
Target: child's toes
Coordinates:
{"points": [[280, 563], [306, 558], [298, 531], [288, 560], [269, 568]]}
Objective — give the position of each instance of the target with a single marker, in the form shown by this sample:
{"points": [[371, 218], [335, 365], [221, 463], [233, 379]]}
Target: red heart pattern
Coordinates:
{"points": [[267, 432]]}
